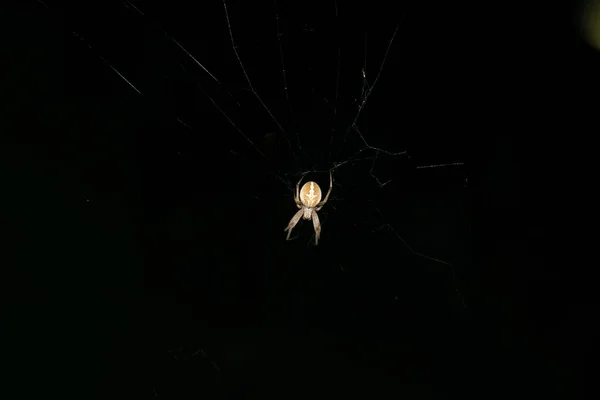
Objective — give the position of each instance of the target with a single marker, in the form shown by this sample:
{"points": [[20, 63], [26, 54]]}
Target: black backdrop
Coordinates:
{"points": [[146, 246]]}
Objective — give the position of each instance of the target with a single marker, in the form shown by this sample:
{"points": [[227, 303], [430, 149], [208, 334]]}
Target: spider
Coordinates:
{"points": [[308, 200]]}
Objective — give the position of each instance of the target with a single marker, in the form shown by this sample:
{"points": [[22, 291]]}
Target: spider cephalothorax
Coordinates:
{"points": [[308, 200]]}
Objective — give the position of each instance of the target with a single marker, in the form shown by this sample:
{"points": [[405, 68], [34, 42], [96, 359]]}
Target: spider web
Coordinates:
{"points": [[275, 92], [339, 146]]}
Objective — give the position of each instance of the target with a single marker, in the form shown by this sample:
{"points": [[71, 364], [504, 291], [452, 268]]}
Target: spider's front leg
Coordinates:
{"points": [[297, 197], [322, 203]]}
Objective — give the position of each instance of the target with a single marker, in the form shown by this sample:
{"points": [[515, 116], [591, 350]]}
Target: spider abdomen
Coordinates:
{"points": [[310, 195]]}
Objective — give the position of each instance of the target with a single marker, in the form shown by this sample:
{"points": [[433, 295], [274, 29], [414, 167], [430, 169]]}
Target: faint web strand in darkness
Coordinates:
{"points": [[367, 147], [370, 89], [283, 71], [365, 85], [82, 40], [337, 73], [364, 99], [365, 93], [381, 184], [130, 84], [214, 364], [234, 46], [437, 260], [128, 3], [365, 96], [179, 355], [244, 70], [440, 165]]}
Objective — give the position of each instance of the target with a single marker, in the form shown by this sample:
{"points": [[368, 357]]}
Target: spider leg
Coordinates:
{"points": [[317, 226], [293, 223], [297, 197], [322, 203]]}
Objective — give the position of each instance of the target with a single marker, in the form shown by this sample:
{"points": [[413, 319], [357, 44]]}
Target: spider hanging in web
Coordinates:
{"points": [[308, 200]]}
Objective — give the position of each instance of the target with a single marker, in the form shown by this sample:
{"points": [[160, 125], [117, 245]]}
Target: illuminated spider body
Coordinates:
{"points": [[308, 200]]}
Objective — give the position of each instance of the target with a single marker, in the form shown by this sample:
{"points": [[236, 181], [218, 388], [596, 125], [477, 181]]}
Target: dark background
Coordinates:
{"points": [[146, 252]]}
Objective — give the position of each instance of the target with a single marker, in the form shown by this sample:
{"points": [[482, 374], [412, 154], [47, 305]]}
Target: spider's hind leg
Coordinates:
{"points": [[293, 223], [317, 226]]}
